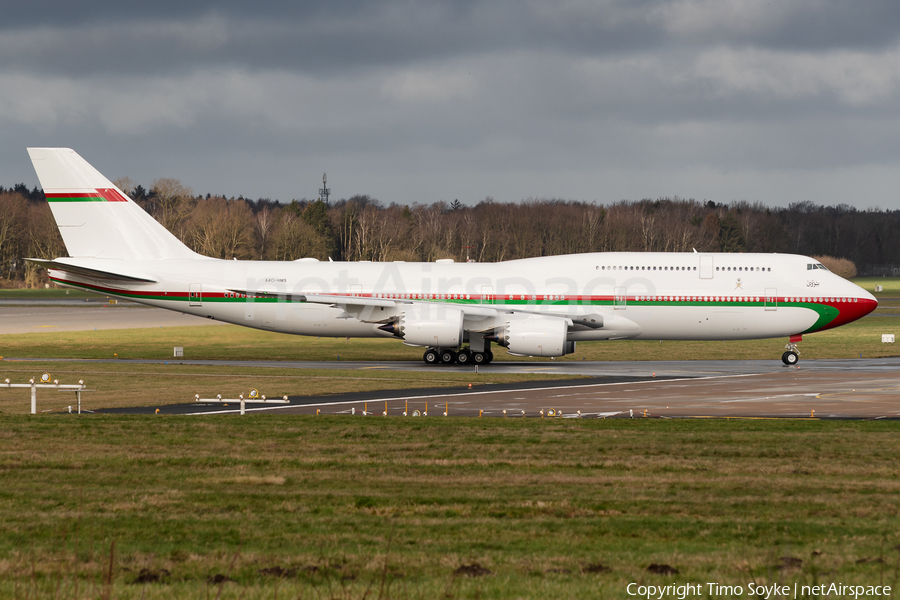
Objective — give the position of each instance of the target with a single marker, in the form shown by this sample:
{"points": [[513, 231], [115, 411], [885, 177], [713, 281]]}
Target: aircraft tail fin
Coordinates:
{"points": [[96, 219]]}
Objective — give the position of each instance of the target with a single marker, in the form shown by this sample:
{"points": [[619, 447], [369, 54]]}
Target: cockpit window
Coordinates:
{"points": [[811, 266]]}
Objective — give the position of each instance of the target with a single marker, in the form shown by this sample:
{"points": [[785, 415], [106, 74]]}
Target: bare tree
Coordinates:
{"points": [[172, 203], [126, 184], [293, 238], [221, 228], [43, 239], [13, 210], [265, 219]]}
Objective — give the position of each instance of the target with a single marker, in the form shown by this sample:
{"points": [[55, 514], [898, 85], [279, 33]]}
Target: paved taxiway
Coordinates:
{"points": [[851, 388]]}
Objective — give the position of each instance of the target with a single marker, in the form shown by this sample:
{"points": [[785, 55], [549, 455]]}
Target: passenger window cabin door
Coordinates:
{"points": [[706, 266], [619, 298], [195, 295], [771, 299]]}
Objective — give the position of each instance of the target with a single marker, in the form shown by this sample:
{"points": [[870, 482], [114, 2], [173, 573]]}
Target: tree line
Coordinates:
{"points": [[363, 228]]}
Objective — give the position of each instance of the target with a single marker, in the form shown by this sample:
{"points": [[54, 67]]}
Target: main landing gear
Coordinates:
{"points": [[792, 355], [446, 356]]}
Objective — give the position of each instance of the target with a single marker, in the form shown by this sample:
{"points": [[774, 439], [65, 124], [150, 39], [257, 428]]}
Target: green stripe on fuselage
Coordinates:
{"points": [[77, 199]]}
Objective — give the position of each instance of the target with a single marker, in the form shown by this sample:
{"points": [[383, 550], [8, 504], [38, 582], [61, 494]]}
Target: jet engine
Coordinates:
{"points": [[536, 335], [428, 325]]}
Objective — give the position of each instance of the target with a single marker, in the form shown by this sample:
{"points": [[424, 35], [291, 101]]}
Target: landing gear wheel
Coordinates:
{"points": [[490, 357], [431, 357], [790, 358], [479, 358], [464, 357], [448, 357]]}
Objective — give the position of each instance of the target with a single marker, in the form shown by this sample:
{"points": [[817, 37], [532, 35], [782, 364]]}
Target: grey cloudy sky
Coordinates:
{"points": [[423, 101]]}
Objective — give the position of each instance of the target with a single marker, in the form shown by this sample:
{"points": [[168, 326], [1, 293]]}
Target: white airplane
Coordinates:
{"points": [[532, 307]]}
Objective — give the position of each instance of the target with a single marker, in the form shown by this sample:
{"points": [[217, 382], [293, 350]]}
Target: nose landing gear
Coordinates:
{"points": [[792, 354]]}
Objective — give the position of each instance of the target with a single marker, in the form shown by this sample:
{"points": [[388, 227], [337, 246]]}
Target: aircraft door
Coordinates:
{"points": [[706, 266], [487, 294], [619, 298], [195, 295], [771, 299]]}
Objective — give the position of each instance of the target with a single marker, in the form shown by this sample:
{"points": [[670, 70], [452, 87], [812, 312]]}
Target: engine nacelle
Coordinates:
{"points": [[536, 335], [430, 325]]}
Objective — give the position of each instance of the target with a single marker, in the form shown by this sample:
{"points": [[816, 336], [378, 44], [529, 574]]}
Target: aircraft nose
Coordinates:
{"points": [[864, 294], [866, 299]]}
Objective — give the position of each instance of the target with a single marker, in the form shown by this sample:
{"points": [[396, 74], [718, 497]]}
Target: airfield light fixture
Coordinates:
{"points": [[45, 377], [7, 380]]}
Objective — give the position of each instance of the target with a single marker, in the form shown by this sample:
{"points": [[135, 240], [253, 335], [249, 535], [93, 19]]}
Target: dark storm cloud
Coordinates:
{"points": [[153, 37], [510, 98]]}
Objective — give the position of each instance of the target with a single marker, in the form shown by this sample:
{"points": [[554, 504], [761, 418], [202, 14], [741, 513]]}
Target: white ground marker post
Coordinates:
{"points": [[45, 378], [254, 398]]}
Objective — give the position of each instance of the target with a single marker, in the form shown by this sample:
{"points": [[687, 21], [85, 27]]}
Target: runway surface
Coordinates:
{"points": [[847, 388]]}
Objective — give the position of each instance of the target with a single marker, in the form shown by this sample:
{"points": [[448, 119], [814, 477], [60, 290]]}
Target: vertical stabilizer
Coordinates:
{"points": [[94, 217]]}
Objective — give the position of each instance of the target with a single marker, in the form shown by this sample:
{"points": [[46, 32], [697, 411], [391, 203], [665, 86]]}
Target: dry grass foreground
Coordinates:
{"points": [[354, 507]]}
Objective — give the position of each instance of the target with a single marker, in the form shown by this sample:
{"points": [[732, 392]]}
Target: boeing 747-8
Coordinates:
{"points": [[456, 311]]}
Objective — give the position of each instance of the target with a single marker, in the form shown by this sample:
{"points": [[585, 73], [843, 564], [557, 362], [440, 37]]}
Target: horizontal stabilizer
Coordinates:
{"points": [[88, 272]]}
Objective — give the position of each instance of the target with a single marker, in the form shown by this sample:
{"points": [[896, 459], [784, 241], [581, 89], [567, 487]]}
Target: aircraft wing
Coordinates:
{"points": [[321, 298], [88, 272], [359, 301]]}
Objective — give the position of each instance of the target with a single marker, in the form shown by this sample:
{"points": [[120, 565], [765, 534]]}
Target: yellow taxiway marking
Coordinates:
{"points": [[380, 367], [46, 325]]}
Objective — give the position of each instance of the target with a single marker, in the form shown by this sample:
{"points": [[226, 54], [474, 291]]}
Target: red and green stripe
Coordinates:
{"points": [[830, 314], [98, 195]]}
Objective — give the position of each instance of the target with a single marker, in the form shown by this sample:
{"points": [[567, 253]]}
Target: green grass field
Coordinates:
{"points": [[365, 507], [53, 293]]}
